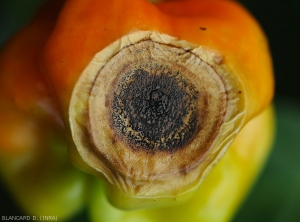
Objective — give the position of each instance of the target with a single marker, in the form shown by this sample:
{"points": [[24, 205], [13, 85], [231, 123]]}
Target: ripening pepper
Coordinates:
{"points": [[151, 97]]}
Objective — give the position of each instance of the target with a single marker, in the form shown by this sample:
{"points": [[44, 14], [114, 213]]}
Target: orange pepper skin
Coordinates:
{"points": [[230, 29], [81, 32], [85, 28], [33, 158]]}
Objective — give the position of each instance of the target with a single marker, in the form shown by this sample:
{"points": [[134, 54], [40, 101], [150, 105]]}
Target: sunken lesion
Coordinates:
{"points": [[155, 109]]}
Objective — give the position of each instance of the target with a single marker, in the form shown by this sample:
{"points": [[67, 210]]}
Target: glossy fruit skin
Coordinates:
{"points": [[64, 49]]}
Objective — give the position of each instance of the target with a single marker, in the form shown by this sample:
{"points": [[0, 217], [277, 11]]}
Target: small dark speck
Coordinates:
{"points": [[203, 28], [240, 92]]}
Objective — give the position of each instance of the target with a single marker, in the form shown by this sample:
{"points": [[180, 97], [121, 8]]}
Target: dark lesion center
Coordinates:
{"points": [[154, 109], [158, 102]]}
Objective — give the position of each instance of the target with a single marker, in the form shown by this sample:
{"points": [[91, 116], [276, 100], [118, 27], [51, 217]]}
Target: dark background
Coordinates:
{"points": [[276, 194]]}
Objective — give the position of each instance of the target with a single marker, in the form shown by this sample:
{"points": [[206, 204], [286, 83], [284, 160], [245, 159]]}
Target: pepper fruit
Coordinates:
{"points": [[152, 105], [33, 157]]}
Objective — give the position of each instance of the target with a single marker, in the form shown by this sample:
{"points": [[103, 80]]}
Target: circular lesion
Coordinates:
{"points": [[153, 114], [158, 103], [154, 108]]}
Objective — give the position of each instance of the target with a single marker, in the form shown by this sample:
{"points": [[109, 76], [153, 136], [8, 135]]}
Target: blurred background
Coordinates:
{"points": [[276, 194]]}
